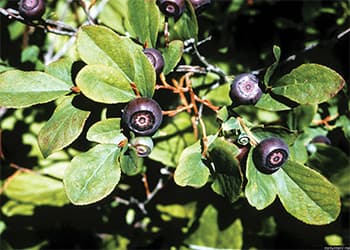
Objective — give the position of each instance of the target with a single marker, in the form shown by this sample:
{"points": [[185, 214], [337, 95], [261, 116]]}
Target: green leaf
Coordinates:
{"points": [[61, 69], [172, 140], [271, 69], [175, 211], [130, 163], [285, 134], [267, 102], [106, 132], [56, 169], [114, 14], [333, 164], [172, 55], [100, 45], [309, 84], [298, 151], [328, 159], [19, 89], [104, 84], [191, 171], [12, 208], [36, 189], [92, 175], [30, 54], [306, 194], [144, 19], [301, 116], [228, 178], [222, 114], [187, 25], [64, 126], [2, 227], [231, 124], [261, 189], [209, 235]]}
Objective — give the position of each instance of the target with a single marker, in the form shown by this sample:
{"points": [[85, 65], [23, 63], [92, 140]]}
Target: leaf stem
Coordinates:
{"points": [[253, 140]]}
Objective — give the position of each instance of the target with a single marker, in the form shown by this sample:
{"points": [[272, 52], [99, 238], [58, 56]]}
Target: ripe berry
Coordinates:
{"points": [[156, 59], [311, 147], [32, 9], [245, 90], [171, 8], [143, 145], [199, 4], [321, 139], [143, 116], [270, 154]]}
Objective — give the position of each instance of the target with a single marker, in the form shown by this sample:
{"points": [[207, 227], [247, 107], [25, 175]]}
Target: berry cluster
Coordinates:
{"points": [[271, 153]]}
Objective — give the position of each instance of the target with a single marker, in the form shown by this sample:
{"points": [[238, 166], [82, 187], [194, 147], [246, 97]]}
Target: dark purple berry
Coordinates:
{"points": [[270, 154], [32, 9], [321, 139], [198, 5], [171, 8], [143, 116], [156, 59], [245, 90]]}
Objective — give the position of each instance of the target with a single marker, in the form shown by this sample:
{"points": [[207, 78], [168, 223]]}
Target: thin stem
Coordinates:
{"points": [[210, 67], [253, 140], [87, 11], [145, 183], [204, 137], [51, 26]]}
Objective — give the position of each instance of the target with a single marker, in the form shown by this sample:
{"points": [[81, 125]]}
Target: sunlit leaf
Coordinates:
{"points": [[306, 194], [104, 84], [144, 19], [106, 132], [172, 55], [64, 126], [210, 235], [309, 84], [100, 45], [191, 170], [92, 175], [19, 89], [36, 189]]}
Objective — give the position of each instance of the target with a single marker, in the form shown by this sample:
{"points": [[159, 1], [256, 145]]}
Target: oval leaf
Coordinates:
{"points": [[306, 194], [228, 178], [92, 175], [36, 189], [187, 25], [107, 132], [172, 55], [19, 89], [100, 45], [130, 163], [64, 126], [191, 171], [210, 235], [309, 84], [61, 69], [144, 19], [261, 189], [267, 102], [271, 69], [104, 84]]}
